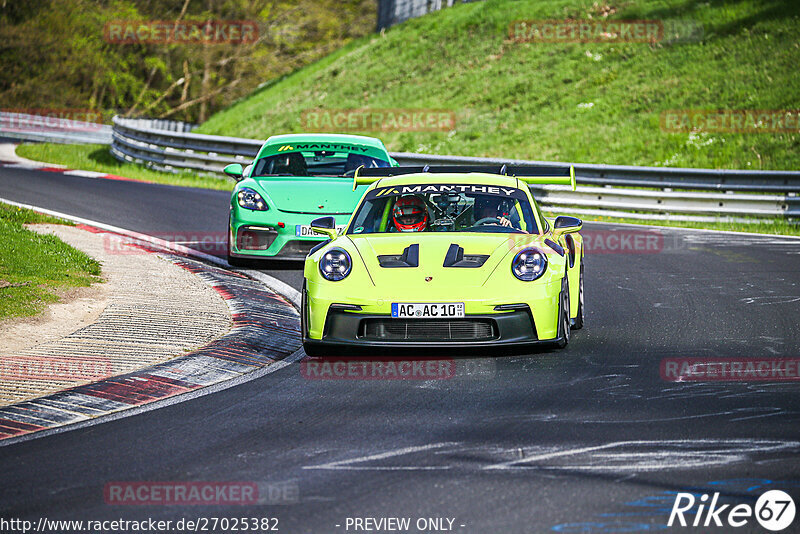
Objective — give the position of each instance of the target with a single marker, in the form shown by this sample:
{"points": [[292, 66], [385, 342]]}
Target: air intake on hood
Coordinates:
{"points": [[409, 258], [456, 258]]}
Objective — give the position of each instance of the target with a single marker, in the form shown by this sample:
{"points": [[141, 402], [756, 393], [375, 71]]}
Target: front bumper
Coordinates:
{"points": [[280, 247], [255, 235], [347, 329], [324, 300]]}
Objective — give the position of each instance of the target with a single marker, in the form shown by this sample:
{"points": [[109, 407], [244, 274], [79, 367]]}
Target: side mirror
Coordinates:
{"points": [[325, 226], [567, 225], [234, 170]]}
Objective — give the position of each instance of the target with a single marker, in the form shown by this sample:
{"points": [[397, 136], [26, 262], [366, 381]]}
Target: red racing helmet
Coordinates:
{"points": [[409, 214]]}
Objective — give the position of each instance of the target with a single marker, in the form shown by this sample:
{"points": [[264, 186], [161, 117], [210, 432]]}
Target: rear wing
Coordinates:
{"points": [[531, 175]]}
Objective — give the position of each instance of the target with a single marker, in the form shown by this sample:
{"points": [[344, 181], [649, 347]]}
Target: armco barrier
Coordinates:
{"points": [[142, 141], [712, 193], [657, 177], [673, 193]]}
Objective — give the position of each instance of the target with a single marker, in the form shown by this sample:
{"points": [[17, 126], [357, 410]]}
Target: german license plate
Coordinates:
{"points": [[402, 310], [304, 230]]}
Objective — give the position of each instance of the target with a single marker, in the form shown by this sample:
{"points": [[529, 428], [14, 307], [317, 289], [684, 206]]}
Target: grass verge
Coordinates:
{"points": [[563, 101], [33, 267], [98, 158]]}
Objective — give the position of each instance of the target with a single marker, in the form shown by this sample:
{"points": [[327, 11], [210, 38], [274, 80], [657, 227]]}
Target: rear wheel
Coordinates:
{"points": [[563, 315]]}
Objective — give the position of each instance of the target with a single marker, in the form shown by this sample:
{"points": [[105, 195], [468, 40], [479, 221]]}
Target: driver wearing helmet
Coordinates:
{"points": [[490, 207], [409, 214]]}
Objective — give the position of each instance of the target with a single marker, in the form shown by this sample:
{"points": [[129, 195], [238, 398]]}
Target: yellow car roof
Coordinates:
{"points": [[471, 178]]}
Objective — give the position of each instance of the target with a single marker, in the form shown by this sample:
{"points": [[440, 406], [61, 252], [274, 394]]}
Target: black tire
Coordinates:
{"points": [[578, 324], [563, 315], [310, 350], [233, 261], [303, 312], [313, 351], [236, 262]]}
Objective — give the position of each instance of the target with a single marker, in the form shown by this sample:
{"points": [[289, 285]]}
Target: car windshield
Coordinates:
{"points": [[444, 208], [314, 163]]}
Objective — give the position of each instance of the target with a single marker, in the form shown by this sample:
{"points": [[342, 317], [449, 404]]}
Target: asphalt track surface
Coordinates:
{"points": [[590, 439]]}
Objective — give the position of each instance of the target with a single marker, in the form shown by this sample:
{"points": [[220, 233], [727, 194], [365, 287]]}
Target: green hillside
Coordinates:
{"points": [[578, 102]]}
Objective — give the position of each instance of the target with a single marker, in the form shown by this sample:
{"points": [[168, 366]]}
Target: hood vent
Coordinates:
{"points": [[409, 258], [456, 258]]}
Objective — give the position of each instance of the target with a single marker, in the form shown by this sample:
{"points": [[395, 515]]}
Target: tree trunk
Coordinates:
{"points": [[205, 84]]}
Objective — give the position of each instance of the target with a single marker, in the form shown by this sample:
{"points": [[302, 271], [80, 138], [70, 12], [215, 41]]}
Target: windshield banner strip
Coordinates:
{"points": [[349, 148], [412, 189]]}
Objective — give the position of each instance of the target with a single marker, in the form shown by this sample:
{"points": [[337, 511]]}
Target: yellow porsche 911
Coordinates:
{"points": [[445, 257]]}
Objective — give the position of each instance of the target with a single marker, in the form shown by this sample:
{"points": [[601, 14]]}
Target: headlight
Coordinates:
{"points": [[529, 264], [335, 264], [250, 199]]}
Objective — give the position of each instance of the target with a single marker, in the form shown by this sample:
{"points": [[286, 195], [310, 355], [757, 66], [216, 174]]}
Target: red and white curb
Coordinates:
{"points": [[265, 337], [272, 283], [67, 172]]}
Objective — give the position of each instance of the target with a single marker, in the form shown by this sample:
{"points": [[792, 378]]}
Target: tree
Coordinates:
{"points": [[55, 53]]}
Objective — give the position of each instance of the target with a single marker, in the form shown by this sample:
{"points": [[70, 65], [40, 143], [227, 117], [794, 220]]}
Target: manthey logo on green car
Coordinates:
{"points": [[292, 180], [445, 257], [333, 147]]}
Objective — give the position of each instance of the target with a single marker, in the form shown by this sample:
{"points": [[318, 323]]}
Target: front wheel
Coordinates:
{"points": [[563, 316], [313, 352], [233, 262], [577, 323], [236, 262], [303, 312], [310, 350]]}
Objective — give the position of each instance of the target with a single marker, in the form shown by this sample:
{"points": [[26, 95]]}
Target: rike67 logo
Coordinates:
{"points": [[774, 510]]}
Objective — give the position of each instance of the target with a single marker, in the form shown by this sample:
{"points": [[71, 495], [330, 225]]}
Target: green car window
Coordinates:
{"points": [[317, 163], [444, 208]]}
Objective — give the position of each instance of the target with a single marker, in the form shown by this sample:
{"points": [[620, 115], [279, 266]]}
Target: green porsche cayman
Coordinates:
{"points": [[447, 256], [292, 180]]}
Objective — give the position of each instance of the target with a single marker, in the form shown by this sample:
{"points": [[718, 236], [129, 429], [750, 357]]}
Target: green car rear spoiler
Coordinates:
{"points": [[531, 175]]}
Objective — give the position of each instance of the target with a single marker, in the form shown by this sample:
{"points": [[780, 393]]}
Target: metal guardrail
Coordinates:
{"points": [[711, 193], [625, 175], [142, 141], [53, 129]]}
